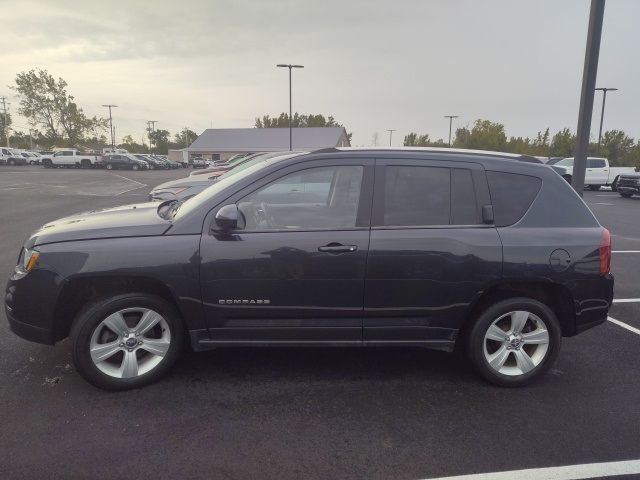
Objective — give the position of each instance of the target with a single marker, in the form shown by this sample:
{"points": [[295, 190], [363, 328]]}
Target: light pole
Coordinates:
{"points": [[585, 111], [390, 130], [290, 66], [113, 140], [450, 117], [604, 99], [151, 127]]}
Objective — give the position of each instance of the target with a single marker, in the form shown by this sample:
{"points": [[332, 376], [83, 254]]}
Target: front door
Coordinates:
{"points": [[430, 254], [294, 273]]}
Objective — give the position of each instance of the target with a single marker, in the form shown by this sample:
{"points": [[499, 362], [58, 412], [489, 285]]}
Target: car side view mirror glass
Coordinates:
{"points": [[487, 214], [228, 218]]}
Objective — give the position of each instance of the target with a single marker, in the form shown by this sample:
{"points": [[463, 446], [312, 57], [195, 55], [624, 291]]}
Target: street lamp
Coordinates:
{"points": [[290, 66], [604, 99], [390, 130], [450, 117], [113, 140]]}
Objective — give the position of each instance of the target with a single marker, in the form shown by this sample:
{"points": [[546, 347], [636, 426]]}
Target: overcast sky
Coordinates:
{"points": [[373, 64]]}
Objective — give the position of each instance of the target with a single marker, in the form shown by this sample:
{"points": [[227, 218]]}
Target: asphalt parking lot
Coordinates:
{"points": [[308, 413]]}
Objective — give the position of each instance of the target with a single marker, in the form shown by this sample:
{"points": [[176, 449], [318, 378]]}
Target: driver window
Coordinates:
{"points": [[315, 198]]}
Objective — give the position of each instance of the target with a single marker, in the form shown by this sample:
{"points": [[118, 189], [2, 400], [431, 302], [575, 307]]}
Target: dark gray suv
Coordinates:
{"points": [[416, 248]]}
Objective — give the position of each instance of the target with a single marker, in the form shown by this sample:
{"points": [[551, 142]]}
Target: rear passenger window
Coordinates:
{"points": [[416, 196], [596, 163], [511, 195]]}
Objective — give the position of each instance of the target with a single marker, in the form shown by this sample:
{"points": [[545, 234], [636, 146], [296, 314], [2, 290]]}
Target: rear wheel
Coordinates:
{"points": [[126, 341], [514, 341], [595, 188], [109, 166], [46, 163], [626, 195], [85, 163], [32, 162], [135, 167], [11, 162]]}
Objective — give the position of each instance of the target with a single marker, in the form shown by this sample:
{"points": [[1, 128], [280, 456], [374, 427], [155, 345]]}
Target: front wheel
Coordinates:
{"points": [[135, 167], [614, 185], [109, 166], [514, 341], [126, 341], [11, 162], [626, 195]]}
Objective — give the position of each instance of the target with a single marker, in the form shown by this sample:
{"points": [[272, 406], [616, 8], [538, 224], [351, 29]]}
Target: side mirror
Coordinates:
{"points": [[228, 218], [487, 214]]}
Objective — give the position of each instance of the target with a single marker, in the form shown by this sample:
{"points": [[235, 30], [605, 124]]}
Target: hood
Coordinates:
{"points": [[210, 170], [125, 221], [183, 182]]}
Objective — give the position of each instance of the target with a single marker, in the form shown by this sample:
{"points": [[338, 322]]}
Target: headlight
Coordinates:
{"points": [[27, 260]]}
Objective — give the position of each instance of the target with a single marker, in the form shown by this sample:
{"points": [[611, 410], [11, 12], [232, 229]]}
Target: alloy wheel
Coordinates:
{"points": [[130, 342], [516, 343]]}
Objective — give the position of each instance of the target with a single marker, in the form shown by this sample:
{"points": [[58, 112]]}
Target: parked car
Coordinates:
{"points": [[9, 156], [32, 158], [220, 169], [598, 172], [109, 150], [629, 185], [124, 161], [198, 162], [70, 158], [348, 247], [185, 188], [154, 163]]}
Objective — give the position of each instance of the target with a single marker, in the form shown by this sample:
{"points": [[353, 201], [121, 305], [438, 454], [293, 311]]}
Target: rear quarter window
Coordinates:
{"points": [[511, 195]]}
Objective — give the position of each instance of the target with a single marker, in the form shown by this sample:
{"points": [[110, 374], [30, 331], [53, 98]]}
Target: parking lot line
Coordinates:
{"points": [[626, 300], [130, 179], [601, 203], [570, 472], [624, 325], [625, 251]]}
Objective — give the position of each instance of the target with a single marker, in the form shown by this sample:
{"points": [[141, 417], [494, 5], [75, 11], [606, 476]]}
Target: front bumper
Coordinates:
{"points": [[27, 331], [628, 189]]}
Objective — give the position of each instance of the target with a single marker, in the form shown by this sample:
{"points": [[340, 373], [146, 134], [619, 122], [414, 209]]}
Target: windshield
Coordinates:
{"points": [[223, 182], [565, 162]]}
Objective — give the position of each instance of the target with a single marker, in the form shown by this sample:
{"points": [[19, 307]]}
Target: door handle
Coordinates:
{"points": [[337, 248]]}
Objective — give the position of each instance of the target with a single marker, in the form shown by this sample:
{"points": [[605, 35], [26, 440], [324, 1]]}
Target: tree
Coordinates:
{"points": [[485, 135], [129, 144], [184, 138], [415, 140], [160, 141], [375, 139], [298, 121], [617, 147], [45, 103], [4, 127], [563, 144]]}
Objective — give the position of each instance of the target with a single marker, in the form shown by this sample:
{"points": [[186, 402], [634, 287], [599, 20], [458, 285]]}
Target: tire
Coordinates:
{"points": [[109, 166], [626, 195], [46, 163], [502, 315], [595, 188], [135, 167], [11, 162], [121, 367], [614, 185], [85, 163], [32, 162]]}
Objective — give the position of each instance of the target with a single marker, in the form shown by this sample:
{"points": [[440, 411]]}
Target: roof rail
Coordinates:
{"points": [[326, 150]]}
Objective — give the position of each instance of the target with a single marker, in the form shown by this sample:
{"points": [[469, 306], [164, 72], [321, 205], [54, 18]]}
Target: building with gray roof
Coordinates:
{"points": [[223, 143]]}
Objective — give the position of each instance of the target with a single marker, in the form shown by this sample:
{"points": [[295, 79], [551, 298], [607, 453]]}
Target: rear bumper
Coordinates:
{"points": [[593, 303]]}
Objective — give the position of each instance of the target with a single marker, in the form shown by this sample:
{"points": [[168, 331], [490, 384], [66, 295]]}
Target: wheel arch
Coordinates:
{"points": [[554, 295], [80, 291]]}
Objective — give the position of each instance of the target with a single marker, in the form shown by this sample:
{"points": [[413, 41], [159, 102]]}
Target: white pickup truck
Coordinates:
{"points": [[70, 158], [598, 173]]}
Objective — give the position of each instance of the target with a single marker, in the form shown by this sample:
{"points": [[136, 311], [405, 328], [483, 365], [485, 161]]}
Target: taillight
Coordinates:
{"points": [[605, 252]]}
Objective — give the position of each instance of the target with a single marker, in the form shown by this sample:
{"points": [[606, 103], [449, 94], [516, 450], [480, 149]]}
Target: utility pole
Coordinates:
{"points": [[450, 117], [289, 66], [113, 135], [4, 125], [151, 127], [589, 73], [604, 99], [390, 130]]}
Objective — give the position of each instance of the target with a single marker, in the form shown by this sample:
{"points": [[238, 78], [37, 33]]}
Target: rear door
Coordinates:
{"points": [[597, 171], [430, 254]]}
